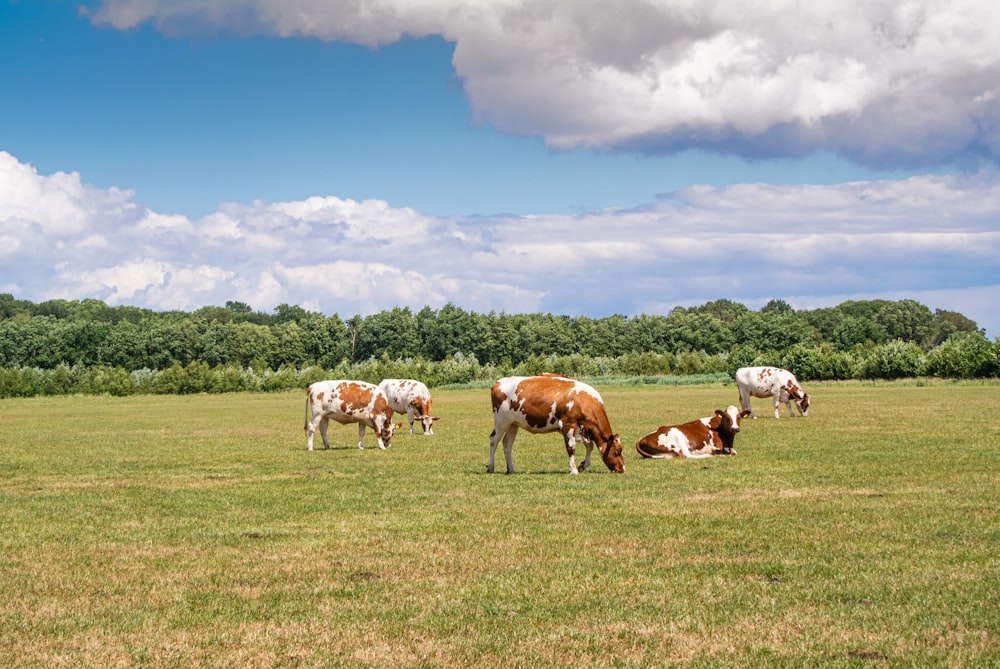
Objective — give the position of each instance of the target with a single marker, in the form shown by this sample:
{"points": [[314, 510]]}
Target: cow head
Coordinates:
{"points": [[387, 429], [794, 392], [611, 452], [427, 422], [727, 424]]}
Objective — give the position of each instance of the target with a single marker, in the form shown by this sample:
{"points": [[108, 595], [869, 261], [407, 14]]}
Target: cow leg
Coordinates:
{"points": [[323, 423], [777, 403], [310, 431], [494, 440], [571, 452], [409, 414], [508, 447], [378, 436], [361, 435], [586, 460], [745, 402], [685, 452]]}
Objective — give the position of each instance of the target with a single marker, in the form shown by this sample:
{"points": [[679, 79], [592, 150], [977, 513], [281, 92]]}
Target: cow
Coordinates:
{"points": [[774, 382], [348, 402], [412, 398], [551, 403], [698, 439]]}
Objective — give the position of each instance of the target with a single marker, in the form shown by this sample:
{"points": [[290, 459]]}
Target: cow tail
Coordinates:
{"points": [[305, 426]]}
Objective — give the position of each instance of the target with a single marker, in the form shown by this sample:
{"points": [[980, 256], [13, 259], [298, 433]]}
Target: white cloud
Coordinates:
{"points": [[119, 283], [934, 236], [160, 224], [880, 82], [54, 203]]}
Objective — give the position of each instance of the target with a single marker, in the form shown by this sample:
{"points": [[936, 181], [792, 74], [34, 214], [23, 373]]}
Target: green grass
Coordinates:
{"points": [[198, 531]]}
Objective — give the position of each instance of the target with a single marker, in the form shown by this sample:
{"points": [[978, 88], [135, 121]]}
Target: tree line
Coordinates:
{"points": [[89, 346]]}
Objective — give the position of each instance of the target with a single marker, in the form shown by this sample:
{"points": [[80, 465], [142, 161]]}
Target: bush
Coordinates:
{"points": [[964, 356], [894, 359], [106, 380]]}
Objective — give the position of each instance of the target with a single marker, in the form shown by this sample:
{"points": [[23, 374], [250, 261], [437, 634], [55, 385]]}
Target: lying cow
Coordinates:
{"points": [[698, 439], [553, 403], [771, 382], [412, 398], [348, 402]]}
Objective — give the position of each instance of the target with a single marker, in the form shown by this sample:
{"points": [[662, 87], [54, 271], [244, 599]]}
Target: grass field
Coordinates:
{"points": [[197, 531]]}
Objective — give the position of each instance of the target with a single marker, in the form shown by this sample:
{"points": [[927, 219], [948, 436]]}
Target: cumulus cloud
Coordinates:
{"points": [[932, 236], [882, 83]]}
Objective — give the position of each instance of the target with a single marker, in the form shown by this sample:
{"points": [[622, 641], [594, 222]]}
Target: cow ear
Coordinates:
{"points": [[435, 417], [720, 413]]}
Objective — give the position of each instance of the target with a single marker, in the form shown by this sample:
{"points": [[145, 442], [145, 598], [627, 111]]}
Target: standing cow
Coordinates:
{"points": [[551, 403], [771, 382], [697, 439], [412, 398], [348, 402]]}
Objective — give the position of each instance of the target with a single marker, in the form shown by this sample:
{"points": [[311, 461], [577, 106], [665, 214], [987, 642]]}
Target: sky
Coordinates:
{"points": [[575, 157]]}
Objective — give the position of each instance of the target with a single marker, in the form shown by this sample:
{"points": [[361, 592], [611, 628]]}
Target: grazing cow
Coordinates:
{"points": [[412, 398], [698, 439], [550, 403], [771, 382], [348, 402]]}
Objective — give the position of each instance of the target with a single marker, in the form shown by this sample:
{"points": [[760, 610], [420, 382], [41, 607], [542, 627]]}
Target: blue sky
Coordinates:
{"points": [[500, 155]]}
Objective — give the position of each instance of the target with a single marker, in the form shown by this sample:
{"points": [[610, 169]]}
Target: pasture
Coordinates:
{"points": [[197, 531]]}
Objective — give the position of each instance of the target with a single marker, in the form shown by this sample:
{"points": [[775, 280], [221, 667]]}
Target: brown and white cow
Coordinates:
{"points": [[348, 402], [771, 382], [553, 403], [412, 398], [698, 439]]}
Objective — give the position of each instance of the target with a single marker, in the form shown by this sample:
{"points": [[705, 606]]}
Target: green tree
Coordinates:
{"points": [[391, 332], [249, 343], [238, 307], [695, 331], [650, 333], [907, 320], [894, 359], [285, 313], [852, 331], [963, 356], [445, 333], [777, 307], [726, 311], [291, 347], [9, 307], [948, 323], [502, 341], [124, 347], [545, 334]]}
